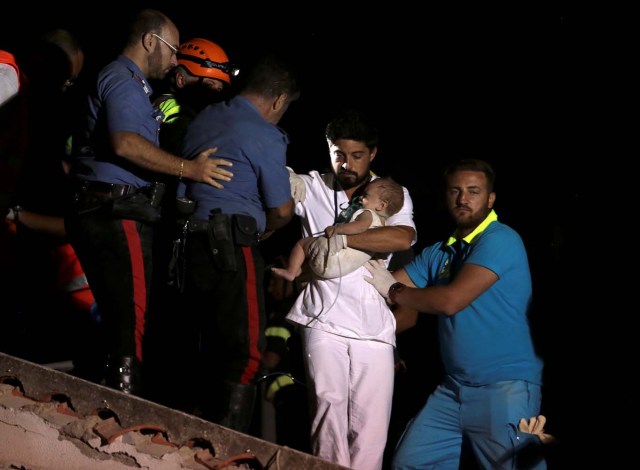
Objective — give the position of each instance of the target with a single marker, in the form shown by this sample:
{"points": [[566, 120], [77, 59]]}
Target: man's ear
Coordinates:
{"points": [[492, 199], [374, 151], [147, 41], [280, 101], [180, 79]]}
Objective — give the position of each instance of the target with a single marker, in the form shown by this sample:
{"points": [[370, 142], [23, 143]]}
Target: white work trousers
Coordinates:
{"points": [[351, 389]]}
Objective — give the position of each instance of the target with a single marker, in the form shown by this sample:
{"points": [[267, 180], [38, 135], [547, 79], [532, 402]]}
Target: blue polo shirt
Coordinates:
{"points": [[258, 151], [120, 102], [489, 341]]}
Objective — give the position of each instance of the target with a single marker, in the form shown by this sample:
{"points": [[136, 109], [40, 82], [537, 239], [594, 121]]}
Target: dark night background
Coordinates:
{"points": [[441, 85]]}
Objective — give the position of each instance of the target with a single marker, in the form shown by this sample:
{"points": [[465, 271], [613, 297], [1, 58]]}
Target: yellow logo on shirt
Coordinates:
{"points": [[445, 272]]}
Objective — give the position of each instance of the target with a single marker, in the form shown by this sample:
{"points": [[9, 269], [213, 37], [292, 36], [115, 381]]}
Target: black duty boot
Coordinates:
{"points": [[237, 405], [123, 373]]}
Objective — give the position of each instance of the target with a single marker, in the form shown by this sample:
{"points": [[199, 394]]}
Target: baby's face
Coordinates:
{"points": [[371, 196]]}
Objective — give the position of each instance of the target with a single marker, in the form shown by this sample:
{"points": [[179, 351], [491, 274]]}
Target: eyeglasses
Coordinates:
{"points": [[226, 67], [174, 50]]}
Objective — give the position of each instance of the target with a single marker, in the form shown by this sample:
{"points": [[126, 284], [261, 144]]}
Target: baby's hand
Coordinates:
{"points": [[330, 231]]}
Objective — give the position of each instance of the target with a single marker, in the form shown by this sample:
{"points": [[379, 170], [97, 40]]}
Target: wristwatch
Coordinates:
{"points": [[393, 291]]}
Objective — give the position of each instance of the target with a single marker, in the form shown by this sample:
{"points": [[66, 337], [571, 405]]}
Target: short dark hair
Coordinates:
{"points": [[272, 75], [472, 164], [352, 124], [146, 21]]}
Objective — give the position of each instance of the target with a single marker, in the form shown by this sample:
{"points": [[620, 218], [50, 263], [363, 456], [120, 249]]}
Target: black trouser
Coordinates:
{"points": [[116, 257], [228, 306], [227, 309]]}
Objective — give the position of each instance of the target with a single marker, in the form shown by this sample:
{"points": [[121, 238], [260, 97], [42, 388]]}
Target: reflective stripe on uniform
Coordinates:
{"points": [[277, 384], [278, 331], [77, 283], [169, 106]]}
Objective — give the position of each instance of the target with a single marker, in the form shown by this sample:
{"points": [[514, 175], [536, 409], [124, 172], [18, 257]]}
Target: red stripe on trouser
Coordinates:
{"points": [[139, 283], [82, 299], [253, 317]]}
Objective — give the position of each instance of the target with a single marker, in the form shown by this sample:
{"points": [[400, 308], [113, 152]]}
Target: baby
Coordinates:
{"points": [[381, 198]]}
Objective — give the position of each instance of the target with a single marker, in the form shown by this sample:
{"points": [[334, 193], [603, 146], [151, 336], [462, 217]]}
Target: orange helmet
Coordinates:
{"points": [[206, 59]]}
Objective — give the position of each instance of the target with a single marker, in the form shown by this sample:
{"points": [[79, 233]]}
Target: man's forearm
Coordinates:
{"points": [[383, 239], [352, 228], [146, 154]]}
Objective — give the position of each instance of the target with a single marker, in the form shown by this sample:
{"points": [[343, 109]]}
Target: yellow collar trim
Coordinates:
{"points": [[492, 217]]}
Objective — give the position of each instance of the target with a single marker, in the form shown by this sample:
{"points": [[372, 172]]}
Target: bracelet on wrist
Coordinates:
{"points": [[181, 170], [395, 288]]}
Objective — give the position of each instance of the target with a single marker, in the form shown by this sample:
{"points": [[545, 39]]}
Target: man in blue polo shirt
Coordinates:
{"points": [[224, 284], [479, 283], [116, 161]]}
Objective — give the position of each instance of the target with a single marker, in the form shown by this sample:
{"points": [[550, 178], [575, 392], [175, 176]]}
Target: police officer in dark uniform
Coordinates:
{"points": [[224, 285], [115, 162]]}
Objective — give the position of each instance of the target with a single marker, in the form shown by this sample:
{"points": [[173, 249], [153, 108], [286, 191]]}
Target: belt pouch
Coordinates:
{"points": [[155, 193], [245, 230], [221, 241]]}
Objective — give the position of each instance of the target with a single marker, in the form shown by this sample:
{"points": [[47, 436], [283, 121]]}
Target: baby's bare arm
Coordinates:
{"points": [[358, 225]]}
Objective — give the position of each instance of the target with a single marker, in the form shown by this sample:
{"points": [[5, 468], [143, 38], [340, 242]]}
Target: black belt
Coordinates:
{"points": [[112, 190], [235, 228], [198, 225]]}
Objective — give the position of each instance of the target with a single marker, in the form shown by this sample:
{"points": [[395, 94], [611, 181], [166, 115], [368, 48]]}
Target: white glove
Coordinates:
{"points": [[11, 215], [9, 83], [323, 247], [337, 243], [380, 278], [298, 189]]}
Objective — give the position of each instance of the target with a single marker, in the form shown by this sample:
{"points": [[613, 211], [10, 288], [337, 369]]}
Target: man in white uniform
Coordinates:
{"points": [[348, 330]]}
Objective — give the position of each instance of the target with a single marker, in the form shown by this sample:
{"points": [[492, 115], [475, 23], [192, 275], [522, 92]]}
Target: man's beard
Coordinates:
{"points": [[350, 182], [470, 221], [155, 65]]}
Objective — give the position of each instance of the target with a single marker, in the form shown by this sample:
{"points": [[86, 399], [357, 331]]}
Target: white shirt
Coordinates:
{"points": [[347, 306]]}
